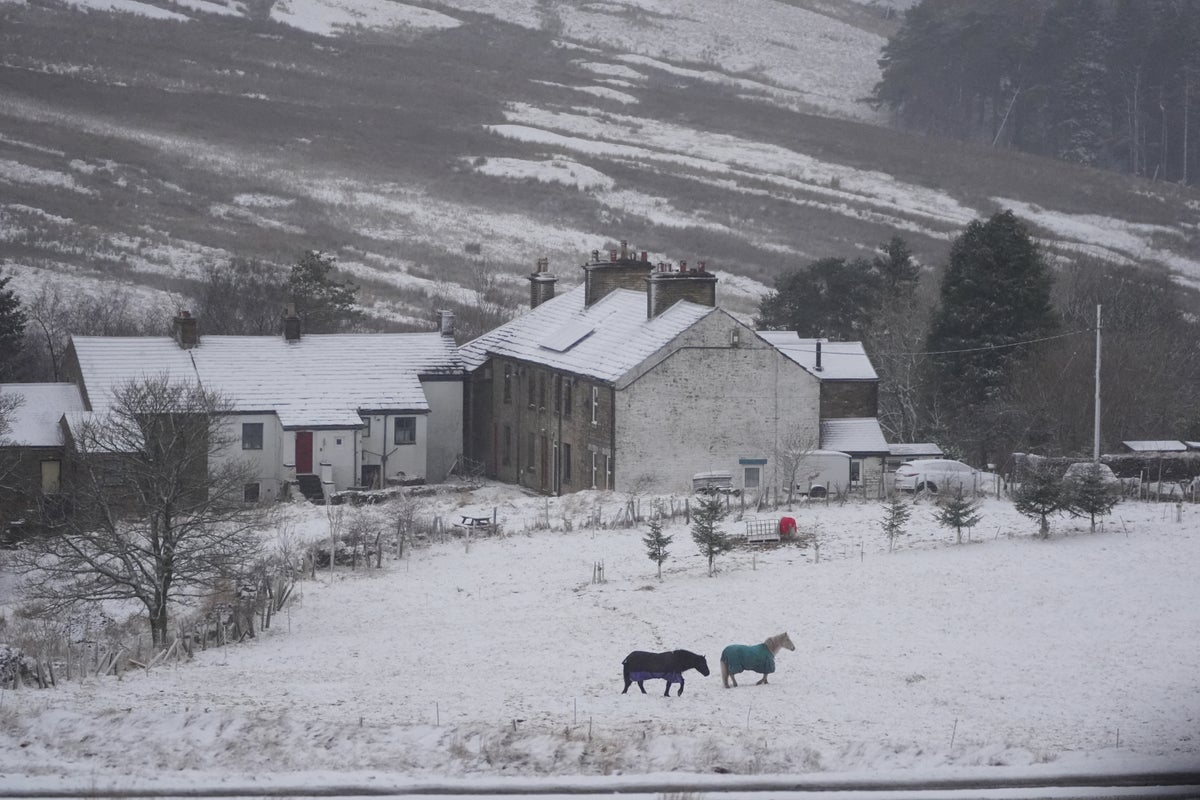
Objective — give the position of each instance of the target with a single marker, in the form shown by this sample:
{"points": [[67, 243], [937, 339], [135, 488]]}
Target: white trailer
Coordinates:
{"points": [[822, 472]]}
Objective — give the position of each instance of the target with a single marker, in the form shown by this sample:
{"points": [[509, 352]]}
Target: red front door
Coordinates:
{"points": [[303, 452]]}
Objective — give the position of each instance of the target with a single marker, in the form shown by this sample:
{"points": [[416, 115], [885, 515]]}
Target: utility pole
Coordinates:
{"points": [[1096, 424]]}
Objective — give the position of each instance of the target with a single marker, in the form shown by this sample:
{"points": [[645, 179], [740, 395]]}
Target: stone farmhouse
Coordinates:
{"points": [[322, 412], [635, 380]]}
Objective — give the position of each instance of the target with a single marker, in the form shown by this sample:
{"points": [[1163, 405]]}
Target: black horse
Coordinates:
{"points": [[670, 666]]}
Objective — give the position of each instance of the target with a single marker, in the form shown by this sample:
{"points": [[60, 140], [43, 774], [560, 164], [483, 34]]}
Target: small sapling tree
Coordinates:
{"points": [[895, 516], [1039, 495], [707, 533], [657, 542], [958, 512], [1090, 495]]}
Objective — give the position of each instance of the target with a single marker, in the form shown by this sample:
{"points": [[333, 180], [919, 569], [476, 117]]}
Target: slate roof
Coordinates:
{"points": [[910, 449], [840, 361], [34, 423], [853, 435], [322, 380], [604, 341], [1155, 446]]}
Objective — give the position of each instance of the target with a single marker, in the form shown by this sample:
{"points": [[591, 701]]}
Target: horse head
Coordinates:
{"points": [[786, 641], [701, 665]]}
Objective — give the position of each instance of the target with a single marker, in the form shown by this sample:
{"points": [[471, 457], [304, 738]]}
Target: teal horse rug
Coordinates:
{"points": [[748, 657]]}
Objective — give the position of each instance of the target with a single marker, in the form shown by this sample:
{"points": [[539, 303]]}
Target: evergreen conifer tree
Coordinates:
{"points": [[994, 300], [895, 515], [1089, 495], [657, 542], [12, 330], [323, 304], [1039, 494], [958, 512], [707, 533]]}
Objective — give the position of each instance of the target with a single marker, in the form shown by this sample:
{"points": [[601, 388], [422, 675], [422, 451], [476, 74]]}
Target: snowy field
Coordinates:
{"points": [[1006, 655]]}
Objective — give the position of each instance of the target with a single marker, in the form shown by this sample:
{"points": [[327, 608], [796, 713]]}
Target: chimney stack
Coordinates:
{"points": [[622, 270], [818, 355], [187, 331], [446, 323], [541, 283], [665, 288], [291, 323]]}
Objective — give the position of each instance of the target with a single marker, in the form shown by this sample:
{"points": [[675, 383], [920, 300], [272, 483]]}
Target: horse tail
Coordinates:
{"points": [[724, 670]]}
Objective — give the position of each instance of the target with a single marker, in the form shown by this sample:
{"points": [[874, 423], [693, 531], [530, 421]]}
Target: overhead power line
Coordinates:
{"points": [[1021, 343]]}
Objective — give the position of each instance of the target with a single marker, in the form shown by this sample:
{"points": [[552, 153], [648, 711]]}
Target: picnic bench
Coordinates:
{"points": [[470, 525]]}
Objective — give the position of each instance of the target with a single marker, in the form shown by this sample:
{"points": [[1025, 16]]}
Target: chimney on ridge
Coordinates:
{"points": [[621, 270], [187, 331], [541, 284], [291, 323], [446, 323], [665, 288]]}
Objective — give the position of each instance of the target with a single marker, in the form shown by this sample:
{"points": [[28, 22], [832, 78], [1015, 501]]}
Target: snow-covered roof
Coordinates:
{"points": [[840, 361], [911, 449], [853, 435], [321, 380], [34, 423], [1155, 446], [604, 341]]}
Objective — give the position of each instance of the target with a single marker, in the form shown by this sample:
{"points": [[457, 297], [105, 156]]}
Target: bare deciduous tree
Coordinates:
{"points": [[56, 313], [157, 515], [11, 489], [241, 296], [794, 455]]}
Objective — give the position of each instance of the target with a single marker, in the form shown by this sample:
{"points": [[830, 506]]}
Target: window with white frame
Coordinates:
{"points": [[595, 404]]}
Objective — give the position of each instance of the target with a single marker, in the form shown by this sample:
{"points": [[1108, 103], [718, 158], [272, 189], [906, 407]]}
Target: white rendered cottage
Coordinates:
{"points": [[322, 411]]}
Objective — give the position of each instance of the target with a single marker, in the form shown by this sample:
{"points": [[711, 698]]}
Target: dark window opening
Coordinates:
{"points": [[252, 436], [406, 430]]}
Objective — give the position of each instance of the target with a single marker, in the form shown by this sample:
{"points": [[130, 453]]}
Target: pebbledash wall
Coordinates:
{"points": [[346, 451], [721, 398]]}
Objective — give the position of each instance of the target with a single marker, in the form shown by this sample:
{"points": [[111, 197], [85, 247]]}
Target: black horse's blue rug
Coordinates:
{"points": [[641, 666]]}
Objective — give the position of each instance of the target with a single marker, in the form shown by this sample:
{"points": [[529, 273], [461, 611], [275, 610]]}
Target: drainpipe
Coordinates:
{"points": [[559, 412], [612, 437]]}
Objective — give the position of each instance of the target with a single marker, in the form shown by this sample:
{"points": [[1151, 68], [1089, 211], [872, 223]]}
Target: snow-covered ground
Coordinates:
{"points": [[1004, 655]]}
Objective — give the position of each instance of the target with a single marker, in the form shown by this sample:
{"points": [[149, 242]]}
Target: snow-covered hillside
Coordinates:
{"points": [[502, 657], [397, 133]]}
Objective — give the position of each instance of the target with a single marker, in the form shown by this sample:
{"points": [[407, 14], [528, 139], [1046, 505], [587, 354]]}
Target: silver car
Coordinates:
{"points": [[1077, 472], [935, 475]]}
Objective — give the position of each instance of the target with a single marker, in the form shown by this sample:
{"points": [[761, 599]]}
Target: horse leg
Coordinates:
{"points": [[680, 688], [761, 682], [640, 686], [667, 693], [725, 676], [628, 683]]}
